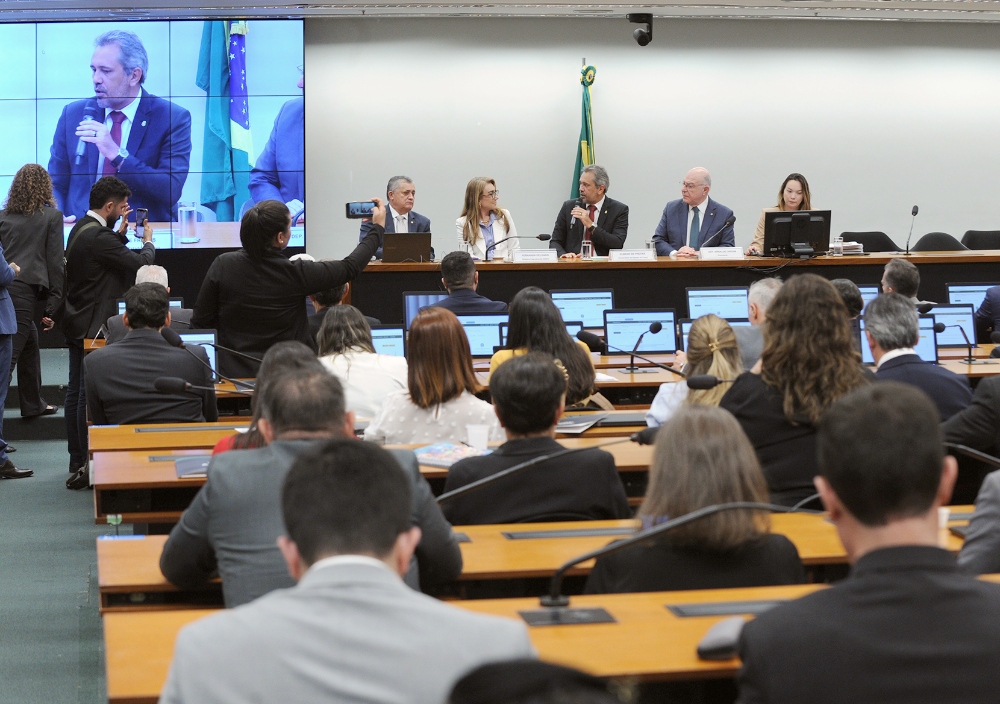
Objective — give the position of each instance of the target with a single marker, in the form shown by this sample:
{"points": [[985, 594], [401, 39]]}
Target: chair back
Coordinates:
{"points": [[937, 242], [982, 239], [872, 241]]}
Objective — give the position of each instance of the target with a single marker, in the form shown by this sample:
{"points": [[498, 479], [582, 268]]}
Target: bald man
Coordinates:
{"points": [[694, 221]]}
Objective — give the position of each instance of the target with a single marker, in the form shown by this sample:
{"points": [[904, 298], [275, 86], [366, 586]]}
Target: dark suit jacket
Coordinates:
{"points": [[672, 231], [159, 147], [8, 319], [180, 320], [610, 231], [35, 242], [99, 270], [978, 425], [234, 521], [906, 627], [463, 301], [987, 317], [949, 391], [582, 486], [279, 173], [415, 223], [771, 559], [119, 380]]}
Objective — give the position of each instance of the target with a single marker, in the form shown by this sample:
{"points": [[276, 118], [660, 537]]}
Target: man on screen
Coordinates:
{"points": [[279, 173], [122, 131]]}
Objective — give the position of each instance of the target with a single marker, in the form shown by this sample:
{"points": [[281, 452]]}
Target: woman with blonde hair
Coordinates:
{"points": [[793, 195], [711, 349], [702, 458], [483, 222]]}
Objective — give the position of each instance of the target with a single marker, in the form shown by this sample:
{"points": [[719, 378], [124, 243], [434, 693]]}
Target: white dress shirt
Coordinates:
{"points": [[702, 207], [401, 421], [667, 402], [892, 354], [129, 111], [400, 221], [368, 379], [98, 218]]}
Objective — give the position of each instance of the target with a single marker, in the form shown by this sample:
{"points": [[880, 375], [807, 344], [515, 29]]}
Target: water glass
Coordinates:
{"points": [[587, 250]]}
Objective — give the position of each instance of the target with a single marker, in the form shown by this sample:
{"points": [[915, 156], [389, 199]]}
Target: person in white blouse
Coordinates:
{"points": [[347, 351], [439, 402], [484, 223]]}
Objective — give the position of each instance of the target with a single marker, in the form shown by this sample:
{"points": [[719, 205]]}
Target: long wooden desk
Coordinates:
{"points": [[163, 436]]}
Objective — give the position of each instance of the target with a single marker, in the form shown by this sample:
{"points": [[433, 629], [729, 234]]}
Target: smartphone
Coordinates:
{"points": [[140, 216], [360, 209]]}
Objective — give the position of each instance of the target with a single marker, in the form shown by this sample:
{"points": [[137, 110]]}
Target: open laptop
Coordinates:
{"points": [[174, 303], [955, 315], [413, 301], [973, 294], [926, 347], [724, 301], [483, 331], [869, 292], [572, 327], [584, 304], [389, 339], [684, 328], [202, 338], [406, 247], [623, 327]]}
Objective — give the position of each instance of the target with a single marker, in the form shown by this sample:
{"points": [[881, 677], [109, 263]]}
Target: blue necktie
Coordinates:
{"points": [[695, 230]]}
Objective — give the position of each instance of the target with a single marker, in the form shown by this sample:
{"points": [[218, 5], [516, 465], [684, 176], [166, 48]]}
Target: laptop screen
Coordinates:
{"points": [[686, 329], [389, 339], [413, 301], [572, 328], [585, 305], [926, 348], [201, 337], [727, 302], [955, 315], [869, 292], [972, 294], [174, 303], [483, 331], [622, 329]]}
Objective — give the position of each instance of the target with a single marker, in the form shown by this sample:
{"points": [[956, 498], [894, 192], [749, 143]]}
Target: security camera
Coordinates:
{"points": [[643, 35]]}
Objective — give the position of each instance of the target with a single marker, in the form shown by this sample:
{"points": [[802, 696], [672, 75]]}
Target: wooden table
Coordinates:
{"points": [[163, 436]]}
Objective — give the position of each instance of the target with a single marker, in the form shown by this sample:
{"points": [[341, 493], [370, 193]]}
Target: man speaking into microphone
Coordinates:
{"points": [[593, 217], [694, 221]]}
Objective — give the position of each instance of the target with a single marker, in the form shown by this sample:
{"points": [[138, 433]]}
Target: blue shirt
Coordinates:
{"points": [[487, 231]]}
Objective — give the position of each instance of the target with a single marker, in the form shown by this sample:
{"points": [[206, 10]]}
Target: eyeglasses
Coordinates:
{"points": [[691, 186], [494, 195]]}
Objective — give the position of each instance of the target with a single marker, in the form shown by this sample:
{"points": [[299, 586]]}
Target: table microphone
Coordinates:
{"points": [[175, 340], [654, 328], [731, 220], [176, 385], [579, 204], [970, 359], [592, 340], [914, 214], [542, 237]]}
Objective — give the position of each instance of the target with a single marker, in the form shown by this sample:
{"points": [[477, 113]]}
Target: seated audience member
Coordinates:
{"points": [[119, 378], [322, 301], [892, 330], [530, 682], [850, 294], [750, 340], [702, 457], [980, 552], [529, 394], [180, 318], [350, 631], [711, 349], [438, 402], [988, 313], [536, 325], [809, 361], [978, 425], [234, 521], [907, 625], [902, 277], [484, 227], [347, 352], [460, 278]]}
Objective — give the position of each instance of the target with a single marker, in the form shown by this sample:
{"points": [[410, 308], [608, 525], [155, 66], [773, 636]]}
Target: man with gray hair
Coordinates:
{"points": [[122, 131], [902, 277], [400, 193], [695, 220], [892, 329], [750, 340], [180, 318], [593, 217]]}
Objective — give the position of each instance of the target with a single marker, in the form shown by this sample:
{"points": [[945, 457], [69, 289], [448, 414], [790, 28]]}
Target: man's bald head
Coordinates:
{"points": [[694, 189]]}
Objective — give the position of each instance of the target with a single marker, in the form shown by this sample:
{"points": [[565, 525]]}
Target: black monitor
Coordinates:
{"points": [[800, 233]]}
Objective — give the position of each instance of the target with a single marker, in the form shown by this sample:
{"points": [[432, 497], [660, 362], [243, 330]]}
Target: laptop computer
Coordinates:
{"points": [[203, 338], [389, 339], [952, 316], [174, 303], [572, 327], [724, 301], [926, 347], [400, 247], [413, 301], [869, 292], [483, 331], [684, 328], [623, 327], [973, 294], [584, 304]]}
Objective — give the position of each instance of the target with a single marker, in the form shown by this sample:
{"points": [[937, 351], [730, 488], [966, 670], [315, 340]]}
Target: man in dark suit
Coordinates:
{"points": [[180, 318], [694, 221], [119, 378], [399, 213], [140, 138], [907, 625], [593, 217], [460, 278], [99, 269], [892, 331], [529, 394], [988, 314], [279, 172]]}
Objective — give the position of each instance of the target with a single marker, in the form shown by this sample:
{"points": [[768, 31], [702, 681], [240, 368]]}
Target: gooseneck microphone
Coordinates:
{"points": [[914, 214], [89, 112], [579, 204], [730, 221], [175, 340], [542, 237], [592, 340], [176, 385], [970, 359], [654, 328]]}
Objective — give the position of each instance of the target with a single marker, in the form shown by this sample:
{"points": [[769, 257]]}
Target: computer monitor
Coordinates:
{"points": [[724, 301], [800, 233], [174, 303], [572, 327], [972, 294], [587, 305], [951, 316], [684, 328], [202, 338], [413, 301], [483, 331], [869, 292], [926, 347], [389, 339], [622, 329]]}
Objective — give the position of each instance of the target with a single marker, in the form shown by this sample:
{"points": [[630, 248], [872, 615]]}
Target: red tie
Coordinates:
{"points": [[117, 117], [592, 210]]}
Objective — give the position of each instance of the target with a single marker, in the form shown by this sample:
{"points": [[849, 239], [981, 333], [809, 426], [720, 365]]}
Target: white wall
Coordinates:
{"points": [[877, 115]]}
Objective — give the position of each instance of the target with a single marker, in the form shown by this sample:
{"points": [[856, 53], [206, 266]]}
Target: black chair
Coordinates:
{"points": [[937, 242], [872, 241], [982, 239]]}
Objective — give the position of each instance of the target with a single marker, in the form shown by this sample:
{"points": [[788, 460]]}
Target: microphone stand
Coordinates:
{"points": [[730, 221], [912, 221], [678, 372], [543, 238], [631, 368], [970, 359]]}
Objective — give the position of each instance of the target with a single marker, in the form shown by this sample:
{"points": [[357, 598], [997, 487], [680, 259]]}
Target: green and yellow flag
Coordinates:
{"points": [[585, 150]]}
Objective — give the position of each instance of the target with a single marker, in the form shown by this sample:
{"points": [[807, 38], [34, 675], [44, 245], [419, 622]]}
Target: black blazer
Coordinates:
{"points": [[771, 559], [254, 305], [180, 320], [582, 486], [906, 627], [35, 243], [119, 380], [99, 270], [978, 426], [463, 301], [949, 391], [610, 233]]}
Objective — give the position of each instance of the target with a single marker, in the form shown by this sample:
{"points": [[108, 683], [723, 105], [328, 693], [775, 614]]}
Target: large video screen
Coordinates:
{"points": [[200, 119]]}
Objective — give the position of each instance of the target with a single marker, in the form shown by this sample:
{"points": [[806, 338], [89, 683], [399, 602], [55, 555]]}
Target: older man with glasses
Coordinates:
{"points": [[694, 221]]}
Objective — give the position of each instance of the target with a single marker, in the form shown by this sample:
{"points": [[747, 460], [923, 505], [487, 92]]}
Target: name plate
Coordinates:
{"points": [[712, 254], [633, 255], [525, 256]]}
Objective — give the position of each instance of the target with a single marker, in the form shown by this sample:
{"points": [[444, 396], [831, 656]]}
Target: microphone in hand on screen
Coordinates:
{"points": [[914, 214], [730, 221], [89, 112], [578, 204]]}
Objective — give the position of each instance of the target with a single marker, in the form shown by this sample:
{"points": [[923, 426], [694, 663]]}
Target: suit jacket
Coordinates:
{"points": [[949, 391], [987, 316], [350, 632], [501, 251], [99, 270], [978, 425], [672, 231], [579, 487], [981, 550], [235, 519], [119, 381], [35, 242], [907, 626], [750, 341], [8, 320], [159, 147], [180, 320], [279, 173], [415, 223], [610, 231], [463, 301]]}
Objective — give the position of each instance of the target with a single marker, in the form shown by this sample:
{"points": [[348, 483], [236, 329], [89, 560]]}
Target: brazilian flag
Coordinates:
{"points": [[585, 150]]}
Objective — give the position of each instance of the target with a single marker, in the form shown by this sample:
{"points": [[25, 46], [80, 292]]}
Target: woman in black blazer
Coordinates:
{"points": [[702, 458], [31, 232]]}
